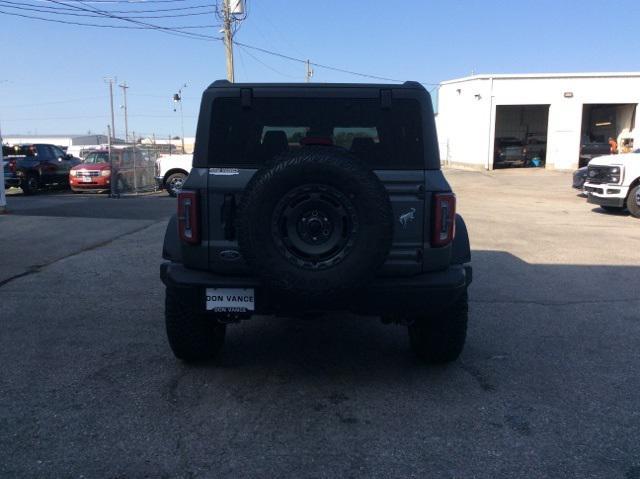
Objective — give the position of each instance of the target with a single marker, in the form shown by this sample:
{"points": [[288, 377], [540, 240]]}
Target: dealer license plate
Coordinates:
{"points": [[230, 300]]}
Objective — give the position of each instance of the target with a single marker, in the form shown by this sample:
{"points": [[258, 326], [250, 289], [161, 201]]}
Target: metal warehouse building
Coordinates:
{"points": [[60, 140], [553, 116]]}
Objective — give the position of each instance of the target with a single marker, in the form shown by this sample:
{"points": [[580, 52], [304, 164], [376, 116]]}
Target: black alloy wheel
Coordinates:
{"points": [[314, 226]]}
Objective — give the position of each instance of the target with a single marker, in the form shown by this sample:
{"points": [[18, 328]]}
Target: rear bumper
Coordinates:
{"points": [[392, 295], [11, 179]]}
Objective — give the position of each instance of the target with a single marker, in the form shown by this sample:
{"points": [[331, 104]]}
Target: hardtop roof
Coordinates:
{"points": [[405, 85]]}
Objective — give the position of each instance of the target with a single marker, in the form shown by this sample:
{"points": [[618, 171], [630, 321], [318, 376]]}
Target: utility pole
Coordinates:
{"points": [[113, 123], [309, 71], [228, 38], [3, 198], [113, 185], [126, 120], [177, 98]]}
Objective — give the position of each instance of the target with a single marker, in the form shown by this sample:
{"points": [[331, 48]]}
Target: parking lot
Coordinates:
{"points": [[547, 385]]}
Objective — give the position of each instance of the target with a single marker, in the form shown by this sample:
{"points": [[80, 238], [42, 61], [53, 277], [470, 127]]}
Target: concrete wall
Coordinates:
{"points": [[467, 108]]}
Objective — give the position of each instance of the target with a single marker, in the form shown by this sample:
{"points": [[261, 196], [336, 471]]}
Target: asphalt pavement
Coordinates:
{"points": [[547, 386]]}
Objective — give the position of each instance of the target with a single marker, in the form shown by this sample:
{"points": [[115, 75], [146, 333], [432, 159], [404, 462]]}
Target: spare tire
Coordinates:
{"points": [[316, 223]]}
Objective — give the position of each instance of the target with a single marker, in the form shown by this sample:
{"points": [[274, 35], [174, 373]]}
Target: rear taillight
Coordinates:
{"points": [[188, 219], [444, 219], [12, 166]]}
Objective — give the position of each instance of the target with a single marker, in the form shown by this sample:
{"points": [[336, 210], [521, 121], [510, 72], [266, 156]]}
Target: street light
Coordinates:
{"points": [[177, 98]]}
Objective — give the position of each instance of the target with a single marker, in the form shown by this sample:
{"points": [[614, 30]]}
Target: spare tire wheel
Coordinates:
{"points": [[316, 223]]}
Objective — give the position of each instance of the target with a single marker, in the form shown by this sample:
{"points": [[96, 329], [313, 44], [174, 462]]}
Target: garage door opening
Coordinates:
{"points": [[521, 136], [602, 123]]}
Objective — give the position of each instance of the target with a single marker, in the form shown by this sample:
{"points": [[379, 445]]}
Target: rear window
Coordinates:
{"points": [[250, 137], [19, 150], [97, 157]]}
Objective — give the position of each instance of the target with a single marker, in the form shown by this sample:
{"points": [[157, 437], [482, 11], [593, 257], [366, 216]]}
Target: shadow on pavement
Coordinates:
{"points": [[601, 211], [505, 287], [551, 364], [91, 205]]}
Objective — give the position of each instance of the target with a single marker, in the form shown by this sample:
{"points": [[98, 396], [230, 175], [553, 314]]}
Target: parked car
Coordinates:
{"points": [[509, 152], [35, 166], [133, 171], [579, 178], [613, 182], [343, 209], [591, 150], [172, 171]]}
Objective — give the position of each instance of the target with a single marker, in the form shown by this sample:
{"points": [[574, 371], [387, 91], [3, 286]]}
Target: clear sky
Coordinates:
{"points": [[51, 78]]}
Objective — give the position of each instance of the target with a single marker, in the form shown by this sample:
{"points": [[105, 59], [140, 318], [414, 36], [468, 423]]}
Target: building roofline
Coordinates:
{"points": [[52, 135], [529, 76]]}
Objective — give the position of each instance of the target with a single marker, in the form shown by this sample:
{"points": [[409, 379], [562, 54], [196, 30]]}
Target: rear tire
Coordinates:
{"points": [[192, 334], [440, 339], [633, 201], [30, 185]]}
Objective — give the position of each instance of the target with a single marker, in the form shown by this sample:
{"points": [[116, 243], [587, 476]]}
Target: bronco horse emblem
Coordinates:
{"points": [[407, 217]]}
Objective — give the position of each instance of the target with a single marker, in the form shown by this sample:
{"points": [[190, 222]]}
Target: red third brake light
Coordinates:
{"points": [[444, 219], [188, 219]]}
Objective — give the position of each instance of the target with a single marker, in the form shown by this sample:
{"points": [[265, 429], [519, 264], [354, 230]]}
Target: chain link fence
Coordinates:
{"points": [[133, 169]]}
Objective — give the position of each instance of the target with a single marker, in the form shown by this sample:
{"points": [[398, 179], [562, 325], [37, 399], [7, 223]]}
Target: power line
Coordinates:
{"points": [[106, 2], [319, 65], [245, 50], [152, 26], [97, 25], [199, 36], [155, 10], [66, 12]]}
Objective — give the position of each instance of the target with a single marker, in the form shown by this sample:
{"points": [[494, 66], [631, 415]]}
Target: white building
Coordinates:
{"points": [[59, 140], [557, 113]]}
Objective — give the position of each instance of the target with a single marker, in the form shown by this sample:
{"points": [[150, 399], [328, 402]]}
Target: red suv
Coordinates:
{"points": [[134, 171]]}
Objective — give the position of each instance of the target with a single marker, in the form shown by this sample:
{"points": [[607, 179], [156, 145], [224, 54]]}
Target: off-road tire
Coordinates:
{"points": [[359, 195], [612, 209], [30, 185], [633, 201], [193, 335], [172, 180], [440, 338]]}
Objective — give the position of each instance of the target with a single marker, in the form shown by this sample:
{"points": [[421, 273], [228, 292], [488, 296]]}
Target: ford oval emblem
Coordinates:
{"points": [[230, 255]]}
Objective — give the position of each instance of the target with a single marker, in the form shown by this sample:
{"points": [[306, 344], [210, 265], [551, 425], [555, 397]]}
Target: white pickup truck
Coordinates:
{"points": [[172, 171], [613, 182]]}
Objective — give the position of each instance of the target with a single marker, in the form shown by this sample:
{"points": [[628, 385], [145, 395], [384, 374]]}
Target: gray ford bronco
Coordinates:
{"points": [[313, 198]]}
